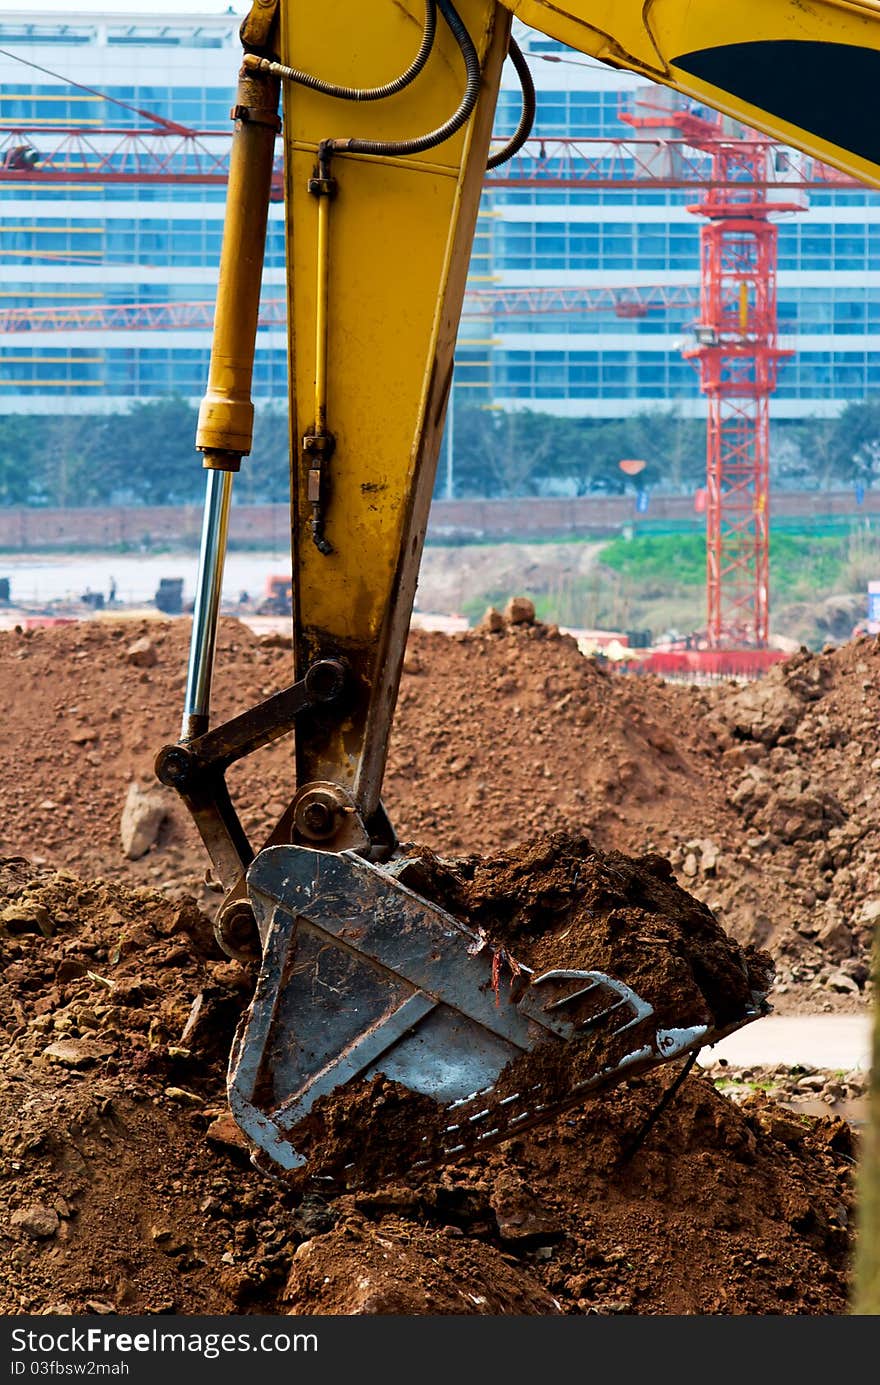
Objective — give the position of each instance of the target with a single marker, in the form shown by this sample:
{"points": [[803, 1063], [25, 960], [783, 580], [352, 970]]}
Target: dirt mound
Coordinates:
{"points": [[561, 903], [103, 697], [124, 1186], [500, 736], [765, 798], [800, 874]]}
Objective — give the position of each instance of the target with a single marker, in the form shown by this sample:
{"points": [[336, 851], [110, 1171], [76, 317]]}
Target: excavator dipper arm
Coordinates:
{"points": [[387, 122], [381, 205]]}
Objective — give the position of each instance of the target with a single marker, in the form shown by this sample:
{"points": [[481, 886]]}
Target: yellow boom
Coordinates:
{"points": [[803, 71]]}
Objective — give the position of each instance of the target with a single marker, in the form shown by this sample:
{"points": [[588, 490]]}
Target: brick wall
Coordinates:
{"points": [[39, 530]]}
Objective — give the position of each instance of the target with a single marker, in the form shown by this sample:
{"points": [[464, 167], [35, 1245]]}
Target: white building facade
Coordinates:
{"points": [[124, 243]]}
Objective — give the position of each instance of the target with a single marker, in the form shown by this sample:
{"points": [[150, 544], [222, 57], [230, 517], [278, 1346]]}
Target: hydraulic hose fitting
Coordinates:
{"points": [[318, 448]]}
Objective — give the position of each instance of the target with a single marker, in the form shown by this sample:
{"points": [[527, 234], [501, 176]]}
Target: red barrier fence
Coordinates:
{"points": [[696, 663]]}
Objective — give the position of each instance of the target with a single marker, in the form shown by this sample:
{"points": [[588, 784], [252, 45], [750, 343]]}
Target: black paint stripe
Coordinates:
{"points": [[829, 89]]}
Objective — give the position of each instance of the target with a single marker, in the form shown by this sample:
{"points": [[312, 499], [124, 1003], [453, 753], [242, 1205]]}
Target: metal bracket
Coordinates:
{"points": [[318, 449], [196, 769], [256, 115], [321, 183]]}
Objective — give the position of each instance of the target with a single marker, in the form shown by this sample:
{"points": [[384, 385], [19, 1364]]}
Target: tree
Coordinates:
{"points": [[145, 456], [23, 461], [499, 453], [148, 456], [855, 442]]}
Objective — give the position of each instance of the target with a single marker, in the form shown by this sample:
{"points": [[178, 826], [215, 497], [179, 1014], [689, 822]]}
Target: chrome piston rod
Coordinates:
{"points": [[206, 609], [225, 428]]}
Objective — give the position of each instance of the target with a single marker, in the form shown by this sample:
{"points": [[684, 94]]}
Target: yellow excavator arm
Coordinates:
{"points": [[800, 70], [387, 123]]}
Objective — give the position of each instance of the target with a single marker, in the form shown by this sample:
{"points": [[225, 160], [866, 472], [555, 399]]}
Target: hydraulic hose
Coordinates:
{"points": [[306, 79], [527, 115], [419, 145], [394, 148]]}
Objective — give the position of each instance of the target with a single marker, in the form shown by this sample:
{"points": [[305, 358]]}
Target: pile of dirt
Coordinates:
{"points": [[87, 708], [124, 1186], [766, 798]]}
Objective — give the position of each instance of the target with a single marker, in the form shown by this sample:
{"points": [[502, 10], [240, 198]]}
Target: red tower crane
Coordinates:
{"points": [[738, 354]]}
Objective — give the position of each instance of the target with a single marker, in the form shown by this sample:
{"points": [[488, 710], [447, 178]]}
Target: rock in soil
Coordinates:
{"points": [[145, 809]]}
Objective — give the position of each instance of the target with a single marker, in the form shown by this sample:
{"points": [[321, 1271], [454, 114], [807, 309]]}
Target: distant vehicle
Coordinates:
{"points": [[169, 596], [277, 598]]}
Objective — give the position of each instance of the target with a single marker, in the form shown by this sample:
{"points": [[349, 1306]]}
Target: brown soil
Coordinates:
{"points": [[560, 903], [766, 799], [125, 1187]]}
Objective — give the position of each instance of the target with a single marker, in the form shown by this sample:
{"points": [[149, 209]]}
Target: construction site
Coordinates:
{"points": [[364, 957]]}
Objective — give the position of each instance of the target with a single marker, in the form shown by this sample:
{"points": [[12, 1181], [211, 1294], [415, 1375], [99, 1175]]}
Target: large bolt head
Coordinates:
{"points": [[236, 931], [318, 818], [173, 765], [325, 679]]}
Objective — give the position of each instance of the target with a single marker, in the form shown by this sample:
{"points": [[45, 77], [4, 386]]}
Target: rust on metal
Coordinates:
{"points": [[258, 29]]}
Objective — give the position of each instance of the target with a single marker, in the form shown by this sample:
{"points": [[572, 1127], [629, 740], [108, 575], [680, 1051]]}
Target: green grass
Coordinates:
{"points": [[657, 580], [803, 566], [678, 559], [728, 1085]]}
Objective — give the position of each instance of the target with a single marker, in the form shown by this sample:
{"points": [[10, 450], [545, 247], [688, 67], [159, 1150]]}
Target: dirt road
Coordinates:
{"points": [[834, 1043]]}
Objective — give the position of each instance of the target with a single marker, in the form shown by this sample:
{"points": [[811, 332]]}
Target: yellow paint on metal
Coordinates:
{"points": [[226, 414], [400, 231], [648, 36]]}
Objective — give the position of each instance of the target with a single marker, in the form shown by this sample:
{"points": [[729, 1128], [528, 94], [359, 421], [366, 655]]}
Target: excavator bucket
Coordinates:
{"points": [[360, 976]]}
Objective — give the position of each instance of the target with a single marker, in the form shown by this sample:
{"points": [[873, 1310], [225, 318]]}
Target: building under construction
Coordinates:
{"points": [[568, 217]]}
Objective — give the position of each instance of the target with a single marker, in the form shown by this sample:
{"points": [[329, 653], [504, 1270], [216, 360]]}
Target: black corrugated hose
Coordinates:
{"points": [[393, 148], [527, 117], [306, 79], [419, 145], [422, 143]]}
